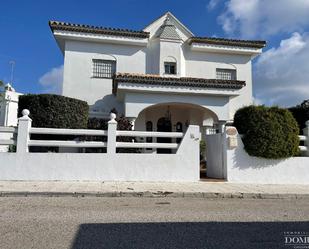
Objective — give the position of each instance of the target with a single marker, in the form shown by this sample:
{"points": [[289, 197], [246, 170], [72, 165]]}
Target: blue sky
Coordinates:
{"points": [[280, 75]]}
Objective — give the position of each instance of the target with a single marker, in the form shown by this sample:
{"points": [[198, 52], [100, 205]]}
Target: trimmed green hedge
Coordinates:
{"points": [[55, 111], [268, 132]]}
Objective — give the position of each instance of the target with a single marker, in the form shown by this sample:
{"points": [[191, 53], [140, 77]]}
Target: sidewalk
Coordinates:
{"points": [[140, 189]]}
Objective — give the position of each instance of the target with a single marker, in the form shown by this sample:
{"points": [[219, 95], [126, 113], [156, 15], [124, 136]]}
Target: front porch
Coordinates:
{"points": [[175, 117], [178, 102]]}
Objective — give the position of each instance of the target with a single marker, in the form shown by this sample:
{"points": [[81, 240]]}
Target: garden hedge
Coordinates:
{"points": [[268, 132], [55, 111]]}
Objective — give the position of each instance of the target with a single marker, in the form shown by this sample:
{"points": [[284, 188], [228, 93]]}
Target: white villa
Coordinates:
{"points": [[175, 88], [162, 78]]}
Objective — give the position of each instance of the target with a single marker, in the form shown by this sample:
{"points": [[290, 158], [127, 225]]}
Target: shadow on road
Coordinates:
{"points": [[221, 235]]}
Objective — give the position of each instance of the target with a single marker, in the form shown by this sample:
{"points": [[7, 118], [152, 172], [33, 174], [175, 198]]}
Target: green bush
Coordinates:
{"points": [[123, 124], [97, 124], [268, 132], [301, 114], [55, 111], [202, 149]]}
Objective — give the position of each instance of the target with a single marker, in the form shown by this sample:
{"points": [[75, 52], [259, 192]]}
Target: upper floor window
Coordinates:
{"points": [[103, 68], [170, 68], [226, 74]]}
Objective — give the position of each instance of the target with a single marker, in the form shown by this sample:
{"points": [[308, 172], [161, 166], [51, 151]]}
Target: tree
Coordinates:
{"points": [[301, 114]]}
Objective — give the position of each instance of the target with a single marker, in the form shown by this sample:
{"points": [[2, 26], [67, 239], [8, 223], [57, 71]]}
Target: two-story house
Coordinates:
{"points": [[163, 78]]}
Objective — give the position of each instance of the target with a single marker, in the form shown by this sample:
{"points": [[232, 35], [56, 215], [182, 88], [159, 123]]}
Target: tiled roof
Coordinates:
{"points": [[168, 30], [171, 81], [228, 42], [55, 25]]}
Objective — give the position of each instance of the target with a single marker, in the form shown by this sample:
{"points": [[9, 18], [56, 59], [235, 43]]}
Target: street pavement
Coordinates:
{"points": [[99, 222], [205, 189]]}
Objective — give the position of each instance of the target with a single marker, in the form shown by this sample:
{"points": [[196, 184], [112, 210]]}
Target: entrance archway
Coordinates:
{"points": [[176, 117], [164, 125]]}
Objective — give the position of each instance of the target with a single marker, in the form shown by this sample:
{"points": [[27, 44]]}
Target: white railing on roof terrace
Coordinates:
{"points": [[25, 138]]}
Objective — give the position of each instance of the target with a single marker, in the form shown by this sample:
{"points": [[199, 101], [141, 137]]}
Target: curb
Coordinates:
{"points": [[159, 194]]}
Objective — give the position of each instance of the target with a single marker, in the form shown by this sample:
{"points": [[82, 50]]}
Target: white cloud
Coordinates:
{"points": [[260, 18], [281, 75], [52, 80], [212, 4]]}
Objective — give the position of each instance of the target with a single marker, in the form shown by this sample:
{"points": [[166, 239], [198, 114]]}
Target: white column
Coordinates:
{"points": [[306, 133], [111, 134], [221, 126], [132, 121], [23, 135]]}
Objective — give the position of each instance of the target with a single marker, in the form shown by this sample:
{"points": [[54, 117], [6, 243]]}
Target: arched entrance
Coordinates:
{"points": [[164, 125], [176, 117]]}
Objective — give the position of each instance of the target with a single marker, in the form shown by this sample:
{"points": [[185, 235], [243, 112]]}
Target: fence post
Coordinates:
{"points": [[306, 133], [23, 132], [111, 134]]}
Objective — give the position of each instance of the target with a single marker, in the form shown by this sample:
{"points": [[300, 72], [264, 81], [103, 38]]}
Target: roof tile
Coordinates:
{"points": [[228, 42], [56, 25], [172, 81]]}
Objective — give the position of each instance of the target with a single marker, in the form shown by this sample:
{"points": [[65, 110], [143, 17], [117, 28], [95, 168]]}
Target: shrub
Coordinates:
{"points": [[268, 132], [123, 124], [97, 124], [202, 149], [301, 114], [54, 111]]}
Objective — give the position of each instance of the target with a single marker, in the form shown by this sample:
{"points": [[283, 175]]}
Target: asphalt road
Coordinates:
{"points": [[68, 222]]}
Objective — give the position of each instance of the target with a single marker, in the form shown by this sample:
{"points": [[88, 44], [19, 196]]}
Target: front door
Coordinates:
{"points": [[164, 125]]}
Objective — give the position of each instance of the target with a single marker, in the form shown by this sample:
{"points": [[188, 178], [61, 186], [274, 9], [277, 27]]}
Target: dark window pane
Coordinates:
{"points": [[169, 67], [103, 68]]}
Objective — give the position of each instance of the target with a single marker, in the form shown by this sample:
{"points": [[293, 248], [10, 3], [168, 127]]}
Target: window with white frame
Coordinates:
{"points": [[103, 68], [170, 68], [226, 74]]}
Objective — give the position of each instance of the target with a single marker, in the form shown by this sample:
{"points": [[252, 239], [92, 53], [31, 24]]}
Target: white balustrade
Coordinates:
{"points": [[56, 131], [7, 136], [149, 134], [305, 138], [24, 131]]}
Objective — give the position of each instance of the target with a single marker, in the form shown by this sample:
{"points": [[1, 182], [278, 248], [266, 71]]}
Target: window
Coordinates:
{"points": [[226, 74], [103, 68], [169, 67]]}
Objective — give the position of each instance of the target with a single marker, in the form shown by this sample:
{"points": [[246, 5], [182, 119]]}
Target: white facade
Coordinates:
{"points": [[145, 53], [8, 106], [8, 112]]}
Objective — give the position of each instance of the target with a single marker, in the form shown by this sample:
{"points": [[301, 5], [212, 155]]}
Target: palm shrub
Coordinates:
{"points": [[269, 132]]}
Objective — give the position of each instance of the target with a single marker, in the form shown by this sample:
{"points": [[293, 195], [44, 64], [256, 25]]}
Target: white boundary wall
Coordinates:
{"points": [[242, 168], [110, 166], [99, 167]]}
